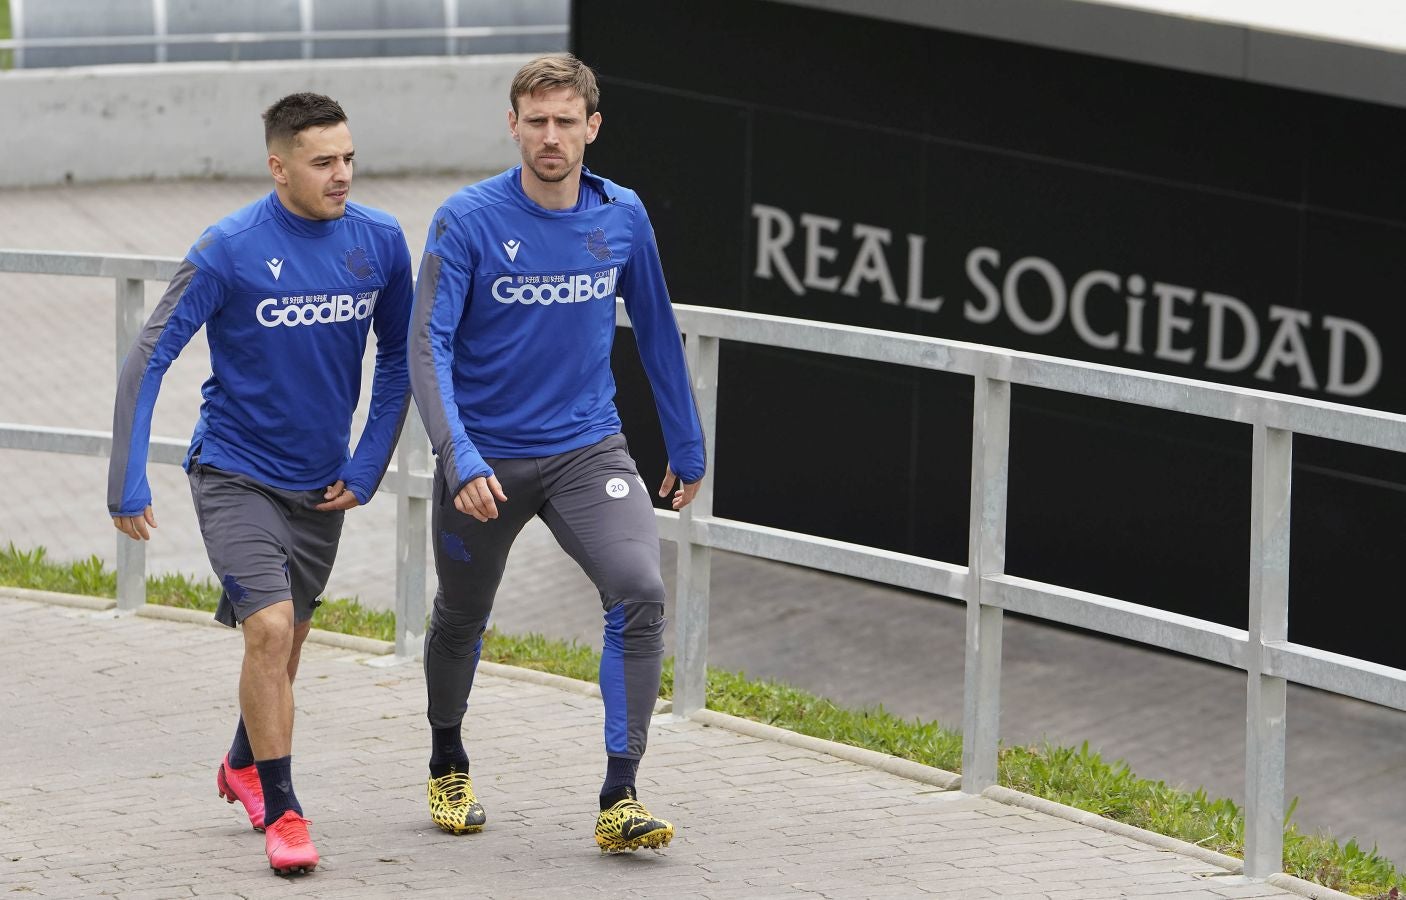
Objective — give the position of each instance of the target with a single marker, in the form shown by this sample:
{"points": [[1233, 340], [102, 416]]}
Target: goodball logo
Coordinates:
{"points": [[549, 289], [337, 308]]}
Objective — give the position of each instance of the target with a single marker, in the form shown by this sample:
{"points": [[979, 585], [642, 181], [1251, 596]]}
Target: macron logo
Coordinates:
{"points": [[275, 266], [511, 248]]}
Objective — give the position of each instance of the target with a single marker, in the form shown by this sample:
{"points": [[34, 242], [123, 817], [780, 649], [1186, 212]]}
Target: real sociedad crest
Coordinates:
{"points": [[595, 242], [359, 264]]}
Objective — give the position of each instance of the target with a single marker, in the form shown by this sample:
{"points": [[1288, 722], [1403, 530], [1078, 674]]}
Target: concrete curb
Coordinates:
{"points": [[1306, 888], [1084, 817], [1231, 864], [176, 614], [54, 598], [534, 676], [356, 644], [873, 759], [365, 645], [368, 646], [560, 682]]}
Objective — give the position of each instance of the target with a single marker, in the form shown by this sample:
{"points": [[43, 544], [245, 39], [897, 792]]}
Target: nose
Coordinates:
{"points": [[342, 170]]}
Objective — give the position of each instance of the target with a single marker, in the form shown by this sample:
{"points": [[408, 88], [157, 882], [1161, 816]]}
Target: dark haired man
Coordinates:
{"points": [[287, 289], [510, 367]]}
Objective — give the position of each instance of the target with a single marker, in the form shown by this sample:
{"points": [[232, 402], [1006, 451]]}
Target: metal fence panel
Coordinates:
{"points": [[99, 32], [1262, 651]]}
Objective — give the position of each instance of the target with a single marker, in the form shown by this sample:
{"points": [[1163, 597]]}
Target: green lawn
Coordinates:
{"points": [[1074, 776], [5, 55]]}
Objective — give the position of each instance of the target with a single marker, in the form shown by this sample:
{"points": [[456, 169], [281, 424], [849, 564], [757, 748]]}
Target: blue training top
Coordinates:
{"points": [[514, 321], [287, 304]]}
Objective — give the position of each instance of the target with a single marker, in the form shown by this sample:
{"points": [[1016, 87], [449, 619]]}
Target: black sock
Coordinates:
{"points": [[447, 752], [241, 755], [619, 780], [276, 778]]}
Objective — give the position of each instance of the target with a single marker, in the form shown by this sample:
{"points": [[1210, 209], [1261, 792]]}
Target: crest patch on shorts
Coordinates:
{"points": [[236, 592]]}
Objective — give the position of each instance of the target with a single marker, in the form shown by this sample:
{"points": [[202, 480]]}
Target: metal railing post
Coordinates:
{"points": [[694, 561], [451, 21], [17, 32], [1266, 706], [131, 555], [986, 555], [411, 537], [159, 29], [305, 25]]}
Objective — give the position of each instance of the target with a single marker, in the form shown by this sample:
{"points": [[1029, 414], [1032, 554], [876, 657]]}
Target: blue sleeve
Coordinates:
{"points": [[441, 298], [390, 384], [193, 296], [651, 313]]}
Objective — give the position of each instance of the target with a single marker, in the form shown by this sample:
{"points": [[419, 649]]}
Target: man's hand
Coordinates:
{"points": [[338, 498], [476, 498], [686, 492], [135, 527]]}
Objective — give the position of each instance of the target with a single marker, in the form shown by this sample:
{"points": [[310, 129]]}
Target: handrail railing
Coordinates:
{"points": [[260, 37], [307, 39], [1262, 650]]}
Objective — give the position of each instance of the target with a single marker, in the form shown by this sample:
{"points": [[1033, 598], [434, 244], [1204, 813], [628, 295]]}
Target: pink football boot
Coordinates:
{"points": [[288, 845], [242, 785]]}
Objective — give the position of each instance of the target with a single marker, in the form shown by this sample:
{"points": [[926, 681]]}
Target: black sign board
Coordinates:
{"points": [[834, 167]]}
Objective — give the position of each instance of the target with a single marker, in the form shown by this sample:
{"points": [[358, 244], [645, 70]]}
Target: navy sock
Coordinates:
{"points": [[619, 780], [276, 778], [241, 755], [447, 752]]}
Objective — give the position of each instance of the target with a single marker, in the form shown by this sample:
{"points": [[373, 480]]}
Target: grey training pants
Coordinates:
{"points": [[599, 510]]}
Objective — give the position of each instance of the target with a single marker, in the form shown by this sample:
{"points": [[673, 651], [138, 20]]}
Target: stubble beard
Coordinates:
{"points": [[550, 178]]}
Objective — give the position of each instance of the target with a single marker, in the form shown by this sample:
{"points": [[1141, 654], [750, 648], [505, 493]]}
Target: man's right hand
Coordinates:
{"points": [[476, 498], [135, 527]]}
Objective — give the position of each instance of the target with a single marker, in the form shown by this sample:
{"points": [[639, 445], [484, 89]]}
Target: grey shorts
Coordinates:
{"points": [[266, 544]]}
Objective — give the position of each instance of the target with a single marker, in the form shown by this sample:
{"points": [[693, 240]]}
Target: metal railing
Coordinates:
{"points": [[1262, 651], [234, 40]]}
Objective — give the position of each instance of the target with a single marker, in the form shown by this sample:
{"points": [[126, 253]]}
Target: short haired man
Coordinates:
{"points": [[287, 289], [510, 367]]}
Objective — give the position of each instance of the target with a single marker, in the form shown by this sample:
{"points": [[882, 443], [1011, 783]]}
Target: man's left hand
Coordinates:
{"points": [[686, 492], [338, 498]]}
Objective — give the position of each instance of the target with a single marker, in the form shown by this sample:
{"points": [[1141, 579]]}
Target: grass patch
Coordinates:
{"points": [[7, 57], [347, 616], [1078, 777], [32, 569]]}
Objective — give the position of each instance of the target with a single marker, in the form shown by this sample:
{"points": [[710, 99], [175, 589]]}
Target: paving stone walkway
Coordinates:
{"points": [[113, 725]]}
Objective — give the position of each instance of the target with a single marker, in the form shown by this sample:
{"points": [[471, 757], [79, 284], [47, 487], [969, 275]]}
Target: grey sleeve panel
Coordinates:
{"points": [[431, 375], [424, 373], [390, 385], [126, 470], [406, 291], [395, 441]]}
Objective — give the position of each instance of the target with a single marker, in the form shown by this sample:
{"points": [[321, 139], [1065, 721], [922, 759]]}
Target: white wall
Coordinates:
{"points": [[103, 123]]}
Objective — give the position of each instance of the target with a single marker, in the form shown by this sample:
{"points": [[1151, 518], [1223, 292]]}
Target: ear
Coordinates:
{"points": [[592, 126], [276, 169], [512, 124]]}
